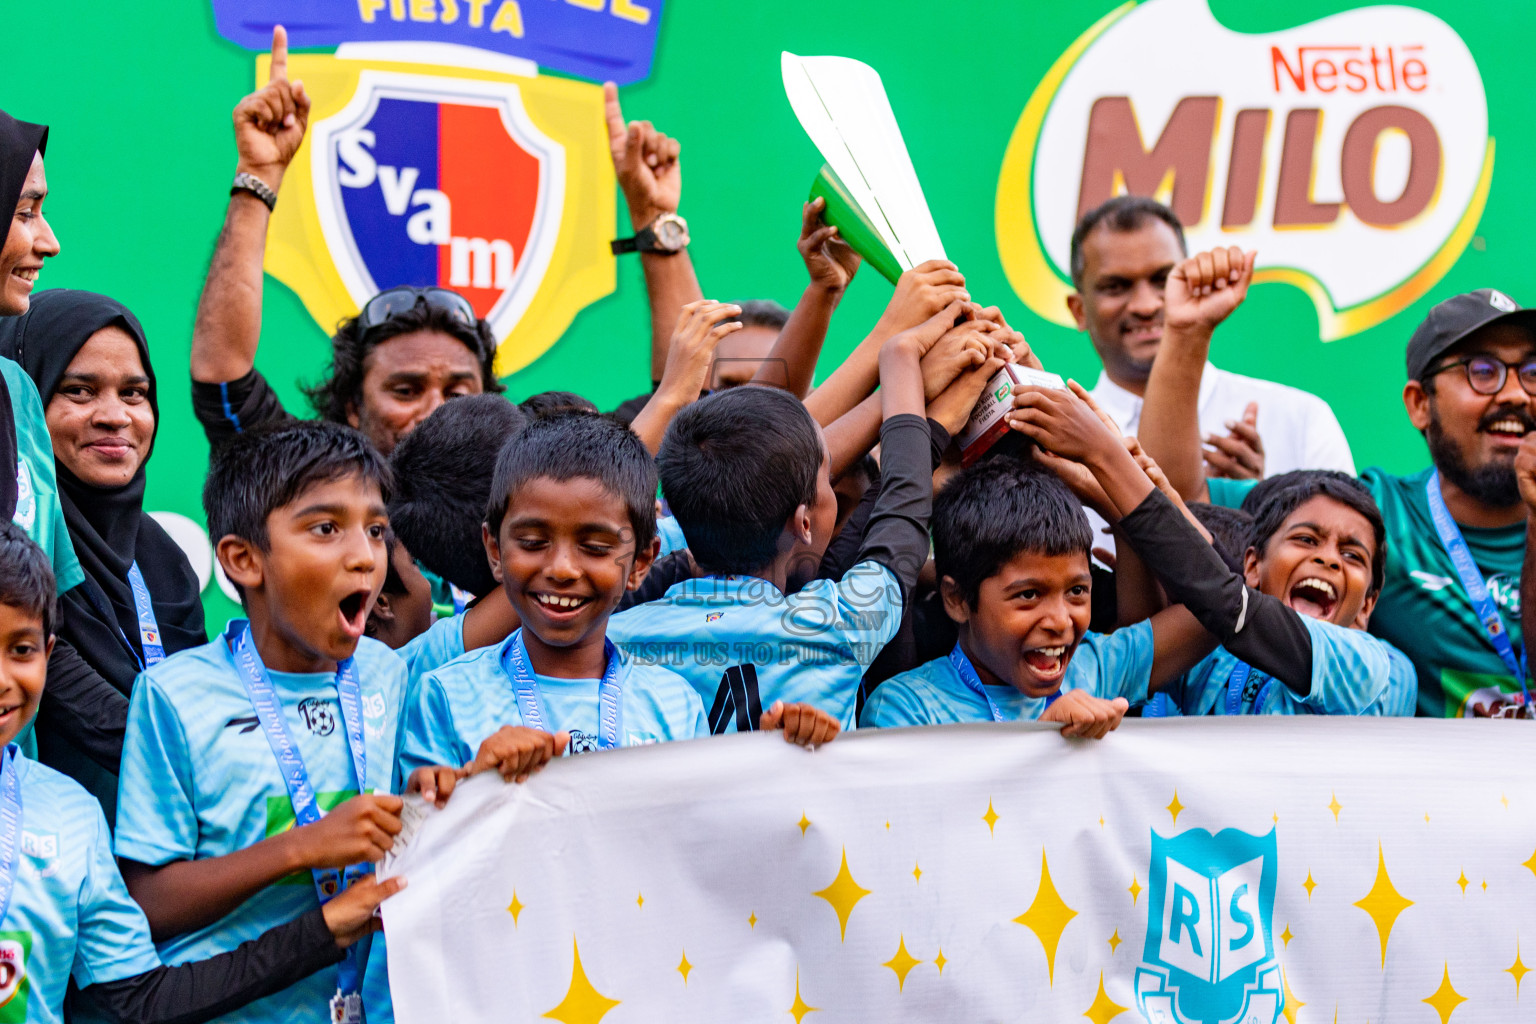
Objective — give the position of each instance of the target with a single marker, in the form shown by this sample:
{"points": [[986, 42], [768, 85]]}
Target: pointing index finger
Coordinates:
{"points": [[279, 69], [614, 114]]}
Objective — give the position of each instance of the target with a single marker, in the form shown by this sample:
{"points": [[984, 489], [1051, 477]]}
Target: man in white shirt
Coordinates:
{"points": [[1122, 255]]}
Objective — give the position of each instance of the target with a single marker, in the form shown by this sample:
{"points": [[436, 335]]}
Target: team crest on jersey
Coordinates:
{"points": [[494, 184], [15, 986], [318, 716], [1209, 953]]}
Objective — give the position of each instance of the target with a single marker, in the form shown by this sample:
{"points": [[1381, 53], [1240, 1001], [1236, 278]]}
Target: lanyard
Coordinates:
{"points": [[10, 825], [149, 627], [1473, 584], [306, 811], [1237, 682], [967, 673], [525, 685]]}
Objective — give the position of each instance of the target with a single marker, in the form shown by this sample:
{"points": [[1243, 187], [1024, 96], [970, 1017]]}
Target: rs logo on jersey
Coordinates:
{"points": [[428, 181], [1209, 953]]}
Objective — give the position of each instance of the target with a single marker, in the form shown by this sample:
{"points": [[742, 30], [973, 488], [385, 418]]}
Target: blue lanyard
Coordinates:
{"points": [[1472, 582], [525, 685], [10, 825], [149, 627], [1237, 682], [306, 810], [967, 673]]}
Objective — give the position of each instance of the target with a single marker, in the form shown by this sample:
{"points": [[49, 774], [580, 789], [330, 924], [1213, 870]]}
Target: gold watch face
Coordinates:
{"points": [[671, 234]]}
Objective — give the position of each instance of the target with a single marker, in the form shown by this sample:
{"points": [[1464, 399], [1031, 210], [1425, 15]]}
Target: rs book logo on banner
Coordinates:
{"points": [[1352, 152]]}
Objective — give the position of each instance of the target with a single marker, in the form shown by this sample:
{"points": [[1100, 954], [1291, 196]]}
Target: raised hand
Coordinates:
{"points": [[803, 724], [1205, 289], [435, 783], [921, 292], [270, 122], [1525, 471], [1240, 454], [359, 831], [645, 162], [963, 347], [830, 260], [1062, 423], [1022, 353], [700, 327]]}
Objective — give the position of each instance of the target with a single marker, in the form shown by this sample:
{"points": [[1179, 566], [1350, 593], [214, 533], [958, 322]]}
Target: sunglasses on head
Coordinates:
{"points": [[393, 301]]}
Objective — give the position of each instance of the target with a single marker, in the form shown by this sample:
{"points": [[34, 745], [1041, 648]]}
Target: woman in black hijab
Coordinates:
{"points": [[88, 357]]}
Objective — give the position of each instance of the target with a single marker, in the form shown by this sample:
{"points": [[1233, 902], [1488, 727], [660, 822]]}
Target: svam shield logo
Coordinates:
{"points": [[1209, 955], [431, 181]]}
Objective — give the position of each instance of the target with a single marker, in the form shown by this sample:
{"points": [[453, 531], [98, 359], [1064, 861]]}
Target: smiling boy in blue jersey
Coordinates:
{"points": [[747, 476], [571, 527], [1298, 611], [288, 718], [64, 910], [1011, 549]]}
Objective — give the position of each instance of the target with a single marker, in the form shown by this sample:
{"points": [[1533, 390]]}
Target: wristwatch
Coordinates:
{"points": [[246, 182], [664, 236]]}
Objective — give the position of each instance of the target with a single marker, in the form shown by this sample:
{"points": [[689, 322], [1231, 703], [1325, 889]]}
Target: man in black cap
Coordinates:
{"points": [[1456, 531]]}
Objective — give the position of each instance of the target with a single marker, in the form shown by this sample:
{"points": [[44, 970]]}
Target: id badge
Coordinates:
{"points": [[347, 1008]]}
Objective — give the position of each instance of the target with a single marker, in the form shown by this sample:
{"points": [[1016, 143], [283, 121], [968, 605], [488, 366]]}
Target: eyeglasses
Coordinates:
{"points": [[1486, 375], [393, 301]]}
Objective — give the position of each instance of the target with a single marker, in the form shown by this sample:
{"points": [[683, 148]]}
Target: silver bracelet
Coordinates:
{"points": [[247, 182]]}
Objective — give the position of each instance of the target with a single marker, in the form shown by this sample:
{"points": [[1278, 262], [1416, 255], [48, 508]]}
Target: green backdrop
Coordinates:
{"points": [[138, 95]]}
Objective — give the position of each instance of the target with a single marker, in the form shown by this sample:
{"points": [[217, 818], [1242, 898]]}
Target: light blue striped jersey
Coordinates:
{"points": [[1117, 664], [441, 643], [1353, 673], [742, 644], [199, 780], [70, 914], [459, 706]]}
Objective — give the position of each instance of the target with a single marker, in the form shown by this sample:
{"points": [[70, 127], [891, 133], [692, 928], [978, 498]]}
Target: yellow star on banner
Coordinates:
{"points": [[1334, 806], [1047, 917], [1445, 998], [804, 823], [1383, 903], [640, 900], [1101, 821], [844, 894], [887, 826], [1531, 864], [940, 960], [752, 921], [1503, 799], [1289, 1004], [800, 1007], [1287, 936], [1517, 970], [917, 873], [514, 908], [1114, 942], [684, 967], [1462, 881], [991, 819], [1135, 890], [1174, 807], [901, 964], [582, 1004], [1309, 885], [1426, 817], [1104, 1009]]}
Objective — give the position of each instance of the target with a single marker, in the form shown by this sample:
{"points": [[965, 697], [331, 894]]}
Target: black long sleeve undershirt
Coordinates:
{"points": [[1257, 628], [195, 992], [83, 707], [897, 533]]}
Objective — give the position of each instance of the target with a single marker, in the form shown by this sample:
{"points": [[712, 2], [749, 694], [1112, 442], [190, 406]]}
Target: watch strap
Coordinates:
{"points": [[643, 241], [247, 182]]}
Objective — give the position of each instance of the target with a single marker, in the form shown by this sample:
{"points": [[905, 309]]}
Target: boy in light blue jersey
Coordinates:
{"points": [[746, 474], [442, 471], [1011, 548], [65, 913], [287, 718], [572, 527], [1292, 624]]}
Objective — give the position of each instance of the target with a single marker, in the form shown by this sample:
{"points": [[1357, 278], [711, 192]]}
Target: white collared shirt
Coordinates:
{"points": [[1298, 428]]}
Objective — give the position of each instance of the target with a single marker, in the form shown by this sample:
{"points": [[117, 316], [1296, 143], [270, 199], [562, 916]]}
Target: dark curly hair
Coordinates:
{"points": [[342, 388]]}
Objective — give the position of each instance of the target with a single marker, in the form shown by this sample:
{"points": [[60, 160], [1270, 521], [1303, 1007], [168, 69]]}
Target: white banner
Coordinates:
{"points": [[1196, 871]]}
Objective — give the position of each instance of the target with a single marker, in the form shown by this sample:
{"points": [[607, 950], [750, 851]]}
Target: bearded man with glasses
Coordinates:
{"points": [[407, 352], [1456, 532]]}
